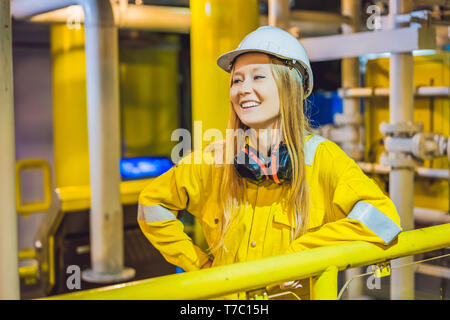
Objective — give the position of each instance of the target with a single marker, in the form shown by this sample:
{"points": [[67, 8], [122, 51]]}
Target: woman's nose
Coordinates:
{"points": [[246, 87]]}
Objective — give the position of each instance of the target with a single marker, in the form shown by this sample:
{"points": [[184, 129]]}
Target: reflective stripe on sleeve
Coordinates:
{"points": [[154, 213], [310, 148], [375, 220]]}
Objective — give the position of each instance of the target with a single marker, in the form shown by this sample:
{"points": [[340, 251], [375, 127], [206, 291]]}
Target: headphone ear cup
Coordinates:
{"points": [[247, 167], [284, 163]]}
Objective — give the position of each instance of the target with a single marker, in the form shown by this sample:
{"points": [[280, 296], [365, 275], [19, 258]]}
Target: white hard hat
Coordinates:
{"points": [[277, 42]]}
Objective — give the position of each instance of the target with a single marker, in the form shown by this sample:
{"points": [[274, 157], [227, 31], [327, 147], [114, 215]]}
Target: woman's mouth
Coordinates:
{"points": [[251, 104]]}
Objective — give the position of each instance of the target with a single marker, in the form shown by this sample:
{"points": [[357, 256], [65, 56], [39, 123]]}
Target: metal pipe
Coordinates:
{"points": [[433, 173], [401, 179], [384, 92], [401, 192], [9, 253], [350, 120], [222, 280], [279, 13], [424, 215], [106, 218], [421, 172], [24, 9]]}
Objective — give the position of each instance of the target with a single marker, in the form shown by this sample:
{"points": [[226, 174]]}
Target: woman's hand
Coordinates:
{"points": [[207, 265]]}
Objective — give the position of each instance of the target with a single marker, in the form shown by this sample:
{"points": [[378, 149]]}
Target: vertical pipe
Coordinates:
{"points": [[351, 119], [401, 180], [106, 218], [324, 286], [9, 257], [279, 13], [350, 78]]}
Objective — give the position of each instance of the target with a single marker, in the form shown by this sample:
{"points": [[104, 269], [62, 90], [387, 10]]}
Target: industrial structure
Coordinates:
{"points": [[92, 90]]}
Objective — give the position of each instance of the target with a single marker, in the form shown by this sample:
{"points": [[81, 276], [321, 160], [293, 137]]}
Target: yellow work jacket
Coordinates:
{"points": [[345, 205]]}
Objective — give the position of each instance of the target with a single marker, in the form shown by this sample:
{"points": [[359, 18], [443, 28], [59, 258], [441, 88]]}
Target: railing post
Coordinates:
{"points": [[324, 286]]}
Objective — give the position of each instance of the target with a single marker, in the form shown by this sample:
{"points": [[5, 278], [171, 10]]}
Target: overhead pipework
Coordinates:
{"points": [[178, 19]]}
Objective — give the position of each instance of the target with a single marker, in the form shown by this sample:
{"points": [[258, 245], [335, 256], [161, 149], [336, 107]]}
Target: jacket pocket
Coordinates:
{"points": [[282, 219], [280, 234], [316, 219]]}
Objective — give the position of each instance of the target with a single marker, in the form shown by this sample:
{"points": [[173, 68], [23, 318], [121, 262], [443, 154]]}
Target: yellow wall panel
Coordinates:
{"points": [[149, 98]]}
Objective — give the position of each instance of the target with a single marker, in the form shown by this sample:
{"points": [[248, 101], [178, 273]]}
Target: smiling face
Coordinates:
{"points": [[253, 91]]}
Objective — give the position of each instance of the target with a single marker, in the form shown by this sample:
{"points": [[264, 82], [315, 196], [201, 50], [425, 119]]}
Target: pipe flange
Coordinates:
{"points": [[399, 160], [406, 129], [426, 145]]}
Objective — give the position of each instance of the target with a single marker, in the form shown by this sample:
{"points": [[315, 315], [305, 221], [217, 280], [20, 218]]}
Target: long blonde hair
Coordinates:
{"points": [[294, 125]]}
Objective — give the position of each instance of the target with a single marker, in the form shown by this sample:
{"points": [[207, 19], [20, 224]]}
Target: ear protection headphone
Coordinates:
{"points": [[276, 168]]}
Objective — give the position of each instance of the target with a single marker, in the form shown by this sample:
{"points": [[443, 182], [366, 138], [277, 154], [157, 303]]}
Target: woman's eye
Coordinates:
{"points": [[259, 77], [236, 80]]}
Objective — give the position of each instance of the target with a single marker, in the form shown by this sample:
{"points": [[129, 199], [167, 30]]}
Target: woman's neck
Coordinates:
{"points": [[263, 139]]}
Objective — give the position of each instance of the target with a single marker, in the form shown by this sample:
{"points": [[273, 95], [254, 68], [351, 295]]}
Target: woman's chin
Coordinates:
{"points": [[256, 123]]}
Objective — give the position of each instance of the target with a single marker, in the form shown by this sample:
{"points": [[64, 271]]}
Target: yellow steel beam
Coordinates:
{"points": [[76, 198], [28, 272], [27, 254], [222, 280], [40, 205]]}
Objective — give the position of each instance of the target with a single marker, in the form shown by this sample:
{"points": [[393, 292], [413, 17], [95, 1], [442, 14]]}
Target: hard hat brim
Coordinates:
{"points": [[225, 62]]}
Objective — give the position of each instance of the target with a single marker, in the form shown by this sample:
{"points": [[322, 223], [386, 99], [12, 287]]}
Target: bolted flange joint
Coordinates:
{"points": [[401, 129], [398, 143], [429, 145]]}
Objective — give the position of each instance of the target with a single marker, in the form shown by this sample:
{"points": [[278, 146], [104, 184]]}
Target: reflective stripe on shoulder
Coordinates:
{"points": [[310, 148], [375, 220], [154, 213]]}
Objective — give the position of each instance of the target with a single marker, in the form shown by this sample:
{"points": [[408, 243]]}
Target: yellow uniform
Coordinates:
{"points": [[345, 205]]}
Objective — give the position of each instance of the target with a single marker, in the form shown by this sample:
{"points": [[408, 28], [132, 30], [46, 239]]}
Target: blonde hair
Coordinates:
{"points": [[294, 125]]}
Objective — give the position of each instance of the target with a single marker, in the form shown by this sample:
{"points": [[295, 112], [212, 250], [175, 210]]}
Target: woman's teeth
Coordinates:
{"points": [[249, 105]]}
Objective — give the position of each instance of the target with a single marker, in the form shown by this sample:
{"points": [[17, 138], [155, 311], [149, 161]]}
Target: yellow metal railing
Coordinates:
{"points": [[40, 205], [322, 264]]}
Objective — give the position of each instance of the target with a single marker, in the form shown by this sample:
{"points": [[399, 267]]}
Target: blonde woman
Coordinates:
{"points": [[273, 187]]}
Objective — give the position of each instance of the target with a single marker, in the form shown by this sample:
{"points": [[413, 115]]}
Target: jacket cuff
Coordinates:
{"points": [[202, 256]]}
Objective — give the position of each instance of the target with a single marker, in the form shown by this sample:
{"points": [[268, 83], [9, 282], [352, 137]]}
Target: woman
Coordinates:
{"points": [[285, 190]]}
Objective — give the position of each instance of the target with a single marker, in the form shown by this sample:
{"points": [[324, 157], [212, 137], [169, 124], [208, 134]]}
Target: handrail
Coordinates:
{"points": [[223, 280]]}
